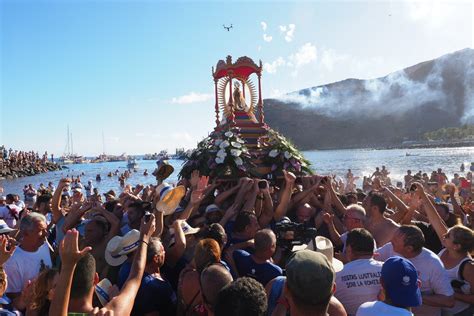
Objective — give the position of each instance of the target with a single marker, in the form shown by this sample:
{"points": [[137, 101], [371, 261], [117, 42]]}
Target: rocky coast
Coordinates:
{"points": [[8, 172]]}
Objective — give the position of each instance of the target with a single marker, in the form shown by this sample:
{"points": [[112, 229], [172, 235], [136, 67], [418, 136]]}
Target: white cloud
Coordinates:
{"points": [[192, 97], [433, 14], [272, 68], [266, 37], [305, 55], [288, 31]]}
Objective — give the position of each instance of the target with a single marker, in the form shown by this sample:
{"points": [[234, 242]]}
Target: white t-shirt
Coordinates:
{"points": [[431, 272], [379, 308], [24, 266], [357, 283]]}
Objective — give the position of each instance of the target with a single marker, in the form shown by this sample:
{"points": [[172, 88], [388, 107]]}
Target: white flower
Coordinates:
{"points": [[238, 161], [224, 144], [235, 152], [221, 153], [240, 140], [219, 160], [287, 155], [229, 134], [236, 144], [273, 153]]}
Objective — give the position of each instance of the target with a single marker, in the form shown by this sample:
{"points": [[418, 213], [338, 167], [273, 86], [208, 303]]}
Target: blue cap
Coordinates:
{"points": [[400, 281]]}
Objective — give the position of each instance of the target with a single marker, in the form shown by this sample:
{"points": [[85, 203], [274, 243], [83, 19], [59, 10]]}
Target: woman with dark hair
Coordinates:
{"points": [[457, 260]]}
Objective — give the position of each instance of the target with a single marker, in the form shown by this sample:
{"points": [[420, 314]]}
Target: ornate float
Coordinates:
{"points": [[242, 144]]}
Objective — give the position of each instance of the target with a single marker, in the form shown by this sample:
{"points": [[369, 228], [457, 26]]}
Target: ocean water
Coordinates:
{"points": [[360, 161]]}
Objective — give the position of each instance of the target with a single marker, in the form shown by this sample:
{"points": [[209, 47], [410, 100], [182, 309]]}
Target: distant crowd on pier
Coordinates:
{"points": [[308, 245], [17, 163]]}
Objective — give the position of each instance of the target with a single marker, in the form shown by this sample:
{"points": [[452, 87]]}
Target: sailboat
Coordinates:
{"points": [[69, 157]]}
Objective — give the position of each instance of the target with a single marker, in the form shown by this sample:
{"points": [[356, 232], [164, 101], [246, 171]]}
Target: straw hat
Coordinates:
{"points": [[324, 246], [169, 197], [102, 290], [118, 247], [163, 170]]}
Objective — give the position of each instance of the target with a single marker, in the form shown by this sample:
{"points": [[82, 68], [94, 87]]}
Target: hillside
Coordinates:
{"points": [[380, 112]]}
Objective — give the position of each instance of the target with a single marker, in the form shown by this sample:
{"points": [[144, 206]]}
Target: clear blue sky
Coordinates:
{"points": [[140, 71]]}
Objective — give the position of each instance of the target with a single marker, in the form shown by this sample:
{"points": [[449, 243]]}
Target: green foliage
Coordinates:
{"points": [[451, 133], [221, 154], [283, 155]]}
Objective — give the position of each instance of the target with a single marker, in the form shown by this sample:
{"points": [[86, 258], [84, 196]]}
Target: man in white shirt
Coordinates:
{"points": [[401, 286], [29, 258], [359, 281], [436, 288], [10, 212]]}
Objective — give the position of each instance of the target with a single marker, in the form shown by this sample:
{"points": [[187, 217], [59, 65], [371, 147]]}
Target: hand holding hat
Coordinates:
{"points": [[163, 170], [167, 198]]}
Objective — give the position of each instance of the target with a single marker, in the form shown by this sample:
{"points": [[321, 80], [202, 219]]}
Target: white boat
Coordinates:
{"points": [[132, 163]]}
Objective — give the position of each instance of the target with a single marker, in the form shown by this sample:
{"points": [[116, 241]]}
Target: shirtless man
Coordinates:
{"points": [[380, 227]]}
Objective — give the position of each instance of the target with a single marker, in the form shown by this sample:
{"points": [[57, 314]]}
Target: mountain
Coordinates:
{"points": [[379, 112]]}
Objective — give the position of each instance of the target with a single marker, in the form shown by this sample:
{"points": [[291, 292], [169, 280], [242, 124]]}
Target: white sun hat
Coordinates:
{"points": [[118, 247], [102, 290]]}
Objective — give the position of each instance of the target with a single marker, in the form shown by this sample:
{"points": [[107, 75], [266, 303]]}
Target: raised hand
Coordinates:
{"points": [[69, 249], [147, 228], [7, 248], [64, 182], [289, 177], [328, 218]]}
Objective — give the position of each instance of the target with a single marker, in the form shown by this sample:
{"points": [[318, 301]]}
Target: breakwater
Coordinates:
{"points": [[8, 172]]}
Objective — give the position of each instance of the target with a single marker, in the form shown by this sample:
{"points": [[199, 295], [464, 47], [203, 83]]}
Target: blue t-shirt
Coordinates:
{"points": [[262, 272], [153, 295]]}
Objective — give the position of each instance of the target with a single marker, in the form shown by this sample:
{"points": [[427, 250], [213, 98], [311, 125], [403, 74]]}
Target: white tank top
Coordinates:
{"points": [[453, 274]]}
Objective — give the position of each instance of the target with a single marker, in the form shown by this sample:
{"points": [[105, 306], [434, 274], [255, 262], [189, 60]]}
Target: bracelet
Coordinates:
{"points": [[141, 240]]}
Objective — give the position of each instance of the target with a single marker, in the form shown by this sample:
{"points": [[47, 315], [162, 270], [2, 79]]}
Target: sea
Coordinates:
{"points": [[362, 162]]}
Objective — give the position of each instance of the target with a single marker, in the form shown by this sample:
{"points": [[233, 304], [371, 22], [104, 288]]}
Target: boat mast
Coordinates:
{"points": [[72, 145], [103, 143]]}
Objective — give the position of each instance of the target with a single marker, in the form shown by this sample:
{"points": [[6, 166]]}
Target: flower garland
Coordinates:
{"points": [[283, 155], [220, 154]]}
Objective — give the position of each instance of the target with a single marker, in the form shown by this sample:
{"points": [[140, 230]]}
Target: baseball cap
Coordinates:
{"points": [[400, 281], [310, 277]]}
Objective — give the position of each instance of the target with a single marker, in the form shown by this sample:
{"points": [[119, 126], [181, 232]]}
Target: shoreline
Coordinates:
{"points": [[407, 146]]}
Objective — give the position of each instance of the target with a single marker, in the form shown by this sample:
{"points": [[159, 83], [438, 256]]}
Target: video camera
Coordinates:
{"points": [[291, 234]]}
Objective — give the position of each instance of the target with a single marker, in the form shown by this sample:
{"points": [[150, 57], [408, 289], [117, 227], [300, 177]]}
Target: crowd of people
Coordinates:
{"points": [[23, 160], [18, 158], [308, 245]]}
